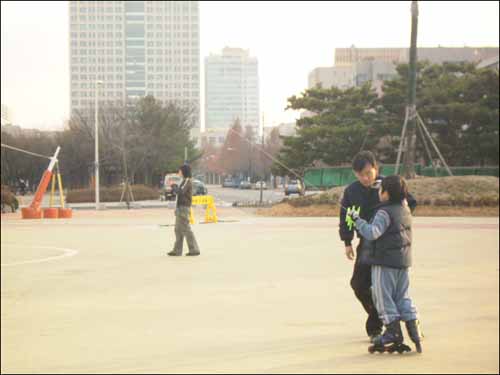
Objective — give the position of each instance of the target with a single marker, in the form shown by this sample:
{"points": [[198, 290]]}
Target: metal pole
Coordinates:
{"points": [[434, 145], [409, 159], [401, 141], [185, 155], [429, 155], [96, 180], [261, 161]]}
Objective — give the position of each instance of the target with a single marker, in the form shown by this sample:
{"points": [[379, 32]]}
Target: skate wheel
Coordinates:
{"points": [[372, 349], [404, 348]]}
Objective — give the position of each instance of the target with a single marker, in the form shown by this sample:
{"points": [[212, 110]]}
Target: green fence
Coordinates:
{"points": [[460, 171], [322, 178]]}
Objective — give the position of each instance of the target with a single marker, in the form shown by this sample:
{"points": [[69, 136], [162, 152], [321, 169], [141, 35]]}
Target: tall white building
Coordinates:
{"points": [[231, 89], [136, 48]]}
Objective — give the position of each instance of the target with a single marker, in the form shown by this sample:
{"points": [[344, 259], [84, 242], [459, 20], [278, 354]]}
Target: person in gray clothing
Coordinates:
{"points": [[184, 195], [388, 249]]}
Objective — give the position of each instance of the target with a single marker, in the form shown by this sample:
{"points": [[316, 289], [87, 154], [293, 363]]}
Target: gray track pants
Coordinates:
{"points": [[390, 294], [183, 229]]}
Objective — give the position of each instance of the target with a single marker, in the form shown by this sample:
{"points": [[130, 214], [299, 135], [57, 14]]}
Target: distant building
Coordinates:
{"points": [[213, 137], [321, 76], [136, 48], [288, 129], [231, 89], [356, 66], [333, 76], [374, 71], [435, 55]]}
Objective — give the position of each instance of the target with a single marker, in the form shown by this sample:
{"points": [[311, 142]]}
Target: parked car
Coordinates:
{"points": [[294, 187], [200, 177], [245, 184], [229, 182], [199, 188], [170, 185], [259, 183]]}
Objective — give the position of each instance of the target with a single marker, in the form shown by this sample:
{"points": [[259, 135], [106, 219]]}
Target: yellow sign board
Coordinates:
{"points": [[210, 213]]}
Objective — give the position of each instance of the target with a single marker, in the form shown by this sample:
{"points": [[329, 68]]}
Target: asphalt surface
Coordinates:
{"points": [[97, 294]]}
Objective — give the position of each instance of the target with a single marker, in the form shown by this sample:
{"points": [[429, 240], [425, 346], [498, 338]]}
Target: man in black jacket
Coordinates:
{"points": [[363, 194]]}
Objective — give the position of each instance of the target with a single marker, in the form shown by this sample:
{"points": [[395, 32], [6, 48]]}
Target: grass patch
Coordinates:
{"points": [[436, 196]]}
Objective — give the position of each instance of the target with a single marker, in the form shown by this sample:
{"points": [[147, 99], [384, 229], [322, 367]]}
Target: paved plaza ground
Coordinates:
{"points": [[97, 293]]}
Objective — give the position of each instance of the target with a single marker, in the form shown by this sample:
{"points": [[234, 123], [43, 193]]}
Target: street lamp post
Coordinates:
{"points": [[261, 160], [98, 84]]}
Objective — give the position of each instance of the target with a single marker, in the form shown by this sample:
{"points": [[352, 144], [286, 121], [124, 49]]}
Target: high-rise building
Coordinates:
{"points": [[231, 89], [136, 48]]}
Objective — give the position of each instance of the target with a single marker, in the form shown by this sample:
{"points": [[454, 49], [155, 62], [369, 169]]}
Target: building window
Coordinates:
{"points": [[134, 6]]}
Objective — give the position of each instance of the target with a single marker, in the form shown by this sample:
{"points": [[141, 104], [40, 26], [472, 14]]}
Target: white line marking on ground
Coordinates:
{"points": [[67, 253]]}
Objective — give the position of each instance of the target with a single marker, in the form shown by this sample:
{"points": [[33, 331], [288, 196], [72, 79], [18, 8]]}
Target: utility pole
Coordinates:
{"points": [[250, 161], [409, 157], [262, 160]]}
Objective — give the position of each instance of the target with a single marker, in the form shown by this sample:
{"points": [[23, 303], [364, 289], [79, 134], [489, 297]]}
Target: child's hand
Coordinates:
{"points": [[353, 214]]}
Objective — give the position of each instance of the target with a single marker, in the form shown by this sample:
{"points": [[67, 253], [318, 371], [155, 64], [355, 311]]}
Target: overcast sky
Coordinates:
{"points": [[288, 38]]}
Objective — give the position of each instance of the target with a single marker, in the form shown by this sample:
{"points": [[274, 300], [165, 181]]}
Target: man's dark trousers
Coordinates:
{"points": [[361, 283]]}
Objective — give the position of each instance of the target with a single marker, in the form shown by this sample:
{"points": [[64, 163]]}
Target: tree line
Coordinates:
{"points": [[244, 153], [142, 141], [139, 142], [458, 102]]}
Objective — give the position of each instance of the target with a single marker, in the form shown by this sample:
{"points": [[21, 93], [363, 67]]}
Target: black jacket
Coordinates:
{"points": [[185, 193], [393, 247], [366, 198]]}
